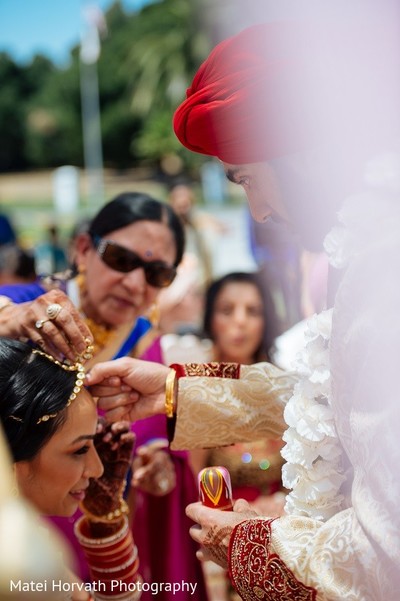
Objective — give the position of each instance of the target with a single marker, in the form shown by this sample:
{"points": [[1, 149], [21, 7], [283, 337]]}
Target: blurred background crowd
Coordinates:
{"points": [[80, 127]]}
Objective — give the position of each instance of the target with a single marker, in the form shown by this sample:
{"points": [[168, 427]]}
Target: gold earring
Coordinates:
{"points": [[154, 315]]}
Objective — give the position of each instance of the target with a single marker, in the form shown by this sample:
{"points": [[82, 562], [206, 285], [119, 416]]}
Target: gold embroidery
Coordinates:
{"points": [[257, 572], [213, 370]]}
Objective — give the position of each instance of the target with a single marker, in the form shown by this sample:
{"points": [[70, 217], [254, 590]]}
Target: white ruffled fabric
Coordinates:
{"points": [[314, 470], [312, 452]]}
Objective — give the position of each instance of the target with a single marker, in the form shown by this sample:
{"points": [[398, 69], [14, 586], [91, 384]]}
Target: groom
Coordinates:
{"points": [[302, 116]]}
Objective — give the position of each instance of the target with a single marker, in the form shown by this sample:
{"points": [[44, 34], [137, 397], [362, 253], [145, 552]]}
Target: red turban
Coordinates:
{"points": [[238, 107], [279, 88]]}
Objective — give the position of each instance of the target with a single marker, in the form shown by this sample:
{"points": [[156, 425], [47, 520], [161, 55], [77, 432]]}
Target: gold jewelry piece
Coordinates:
{"points": [[15, 418], [102, 335], [170, 393], [88, 352], [80, 377], [154, 315], [111, 516], [53, 310], [39, 323]]}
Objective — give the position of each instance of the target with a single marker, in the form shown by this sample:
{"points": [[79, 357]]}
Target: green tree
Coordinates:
{"points": [[147, 61], [118, 122], [54, 132], [11, 114], [18, 84], [36, 74], [166, 48]]}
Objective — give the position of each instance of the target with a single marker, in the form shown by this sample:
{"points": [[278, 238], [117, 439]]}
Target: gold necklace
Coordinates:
{"points": [[102, 335]]}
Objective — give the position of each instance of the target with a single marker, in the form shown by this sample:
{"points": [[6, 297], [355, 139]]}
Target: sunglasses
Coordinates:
{"points": [[157, 273]]}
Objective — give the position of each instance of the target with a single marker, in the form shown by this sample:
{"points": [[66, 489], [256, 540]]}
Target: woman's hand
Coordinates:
{"points": [[63, 336], [129, 388], [214, 529], [153, 469]]}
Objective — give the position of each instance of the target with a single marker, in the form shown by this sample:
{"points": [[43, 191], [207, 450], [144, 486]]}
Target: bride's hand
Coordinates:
{"points": [[114, 444], [153, 469]]}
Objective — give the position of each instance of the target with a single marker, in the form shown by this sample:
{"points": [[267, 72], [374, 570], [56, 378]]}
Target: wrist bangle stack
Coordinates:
{"points": [[171, 390], [113, 561]]}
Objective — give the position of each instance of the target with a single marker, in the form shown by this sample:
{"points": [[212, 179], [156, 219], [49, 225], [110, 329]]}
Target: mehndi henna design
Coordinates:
{"points": [[216, 543], [103, 501]]}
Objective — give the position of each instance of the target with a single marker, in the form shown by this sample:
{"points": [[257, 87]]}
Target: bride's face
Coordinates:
{"points": [[55, 480]]}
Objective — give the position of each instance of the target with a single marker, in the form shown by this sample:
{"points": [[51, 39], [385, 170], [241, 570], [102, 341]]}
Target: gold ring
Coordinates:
{"points": [[40, 322], [53, 310]]}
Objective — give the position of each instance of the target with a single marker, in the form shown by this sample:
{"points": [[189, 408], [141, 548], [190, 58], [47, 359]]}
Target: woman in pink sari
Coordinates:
{"points": [[129, 253]]}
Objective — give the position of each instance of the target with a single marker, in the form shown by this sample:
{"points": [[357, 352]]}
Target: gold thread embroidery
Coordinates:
{"points": [[213, 370]]}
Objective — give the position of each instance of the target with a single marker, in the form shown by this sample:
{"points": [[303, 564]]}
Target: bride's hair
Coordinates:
{"points": [[34, 394]]}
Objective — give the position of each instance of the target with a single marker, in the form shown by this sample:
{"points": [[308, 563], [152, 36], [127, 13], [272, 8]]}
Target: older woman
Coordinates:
{"points": [[129, 253]]}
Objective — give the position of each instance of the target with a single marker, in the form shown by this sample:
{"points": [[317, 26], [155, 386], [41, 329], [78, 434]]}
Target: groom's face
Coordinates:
{"points": [[260, 183]]}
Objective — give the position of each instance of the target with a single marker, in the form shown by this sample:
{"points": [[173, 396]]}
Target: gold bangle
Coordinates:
{"points": [[110, 517], [170, 393]]}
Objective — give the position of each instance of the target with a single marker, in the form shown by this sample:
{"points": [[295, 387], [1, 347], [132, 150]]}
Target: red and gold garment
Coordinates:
{"points": [[257, 572]]}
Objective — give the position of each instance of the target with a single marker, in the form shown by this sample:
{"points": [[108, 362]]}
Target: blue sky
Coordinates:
{"points": [[50, 27]]}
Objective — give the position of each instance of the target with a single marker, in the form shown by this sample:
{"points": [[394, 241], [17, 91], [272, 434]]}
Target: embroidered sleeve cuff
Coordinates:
{"points": [[208, 370], [256, 572]]}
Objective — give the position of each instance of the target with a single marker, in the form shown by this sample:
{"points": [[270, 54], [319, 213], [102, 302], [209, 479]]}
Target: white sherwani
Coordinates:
{"points": [[353, 555]]}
